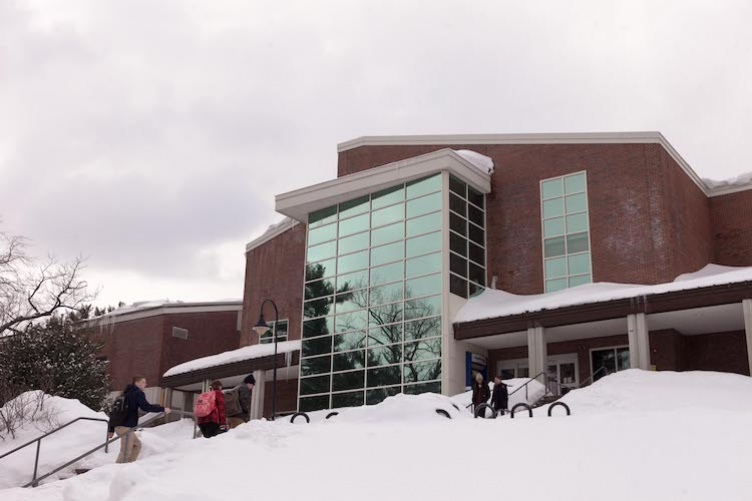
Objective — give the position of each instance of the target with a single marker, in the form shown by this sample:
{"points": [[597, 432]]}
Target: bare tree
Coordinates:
{"points": [[31, 289]]}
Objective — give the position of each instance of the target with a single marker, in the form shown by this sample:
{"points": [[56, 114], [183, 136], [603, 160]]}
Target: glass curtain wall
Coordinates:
{"points": [[566, 232], [467, 239], [372, 299]]}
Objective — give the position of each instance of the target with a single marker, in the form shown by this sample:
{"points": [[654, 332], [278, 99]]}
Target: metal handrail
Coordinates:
{"points": [[592, 377], [35, 481], [39, 439], [527, 393]]}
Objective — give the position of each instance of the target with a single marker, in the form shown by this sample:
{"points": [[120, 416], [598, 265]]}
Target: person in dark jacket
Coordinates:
{"points": [[244, 399], [481, 392], [500, 397], [135, 399], [216, 422]]}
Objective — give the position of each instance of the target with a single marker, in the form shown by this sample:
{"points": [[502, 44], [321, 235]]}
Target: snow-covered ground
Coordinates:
{"points": [[632, 435]]}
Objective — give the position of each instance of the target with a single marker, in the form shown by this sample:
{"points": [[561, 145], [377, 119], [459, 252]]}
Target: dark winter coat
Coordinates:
{"points": [[134, 400], [500, 398], [481, 393], [244, 398]]}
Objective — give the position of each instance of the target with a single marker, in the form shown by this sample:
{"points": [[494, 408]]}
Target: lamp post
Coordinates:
{"points": [[262, 328]]}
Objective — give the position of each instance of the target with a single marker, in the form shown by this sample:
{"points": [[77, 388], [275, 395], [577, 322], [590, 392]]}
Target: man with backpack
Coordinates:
{"points": [[238, 402], [124, 418]]}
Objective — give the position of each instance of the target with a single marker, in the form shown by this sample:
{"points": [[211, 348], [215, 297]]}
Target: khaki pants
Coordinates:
{"points": [[234, 422], [130, 445]]}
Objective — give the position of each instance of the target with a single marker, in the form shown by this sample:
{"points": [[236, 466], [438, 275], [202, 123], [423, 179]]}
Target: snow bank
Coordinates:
{"points": [[495, 303], [692, 428], [239, 355], [482, 162]]}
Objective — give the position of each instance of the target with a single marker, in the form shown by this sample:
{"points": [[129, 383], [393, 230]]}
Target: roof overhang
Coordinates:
{"points": [[299, 203], [231, 369], [164, 309], [596, 312], [639, 137]]}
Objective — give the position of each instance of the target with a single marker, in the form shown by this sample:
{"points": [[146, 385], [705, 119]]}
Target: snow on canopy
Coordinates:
{"points": [[496, 303], [239, 355], [482, 162]]}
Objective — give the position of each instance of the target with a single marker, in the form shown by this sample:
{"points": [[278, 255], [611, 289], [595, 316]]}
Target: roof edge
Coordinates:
{"points": [[285, 224]]}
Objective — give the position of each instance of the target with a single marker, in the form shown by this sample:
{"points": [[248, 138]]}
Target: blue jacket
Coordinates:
{"points": [[135, 400]]}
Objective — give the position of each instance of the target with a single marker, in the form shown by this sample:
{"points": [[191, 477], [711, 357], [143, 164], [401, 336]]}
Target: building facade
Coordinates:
{"points": [[400, 274]]}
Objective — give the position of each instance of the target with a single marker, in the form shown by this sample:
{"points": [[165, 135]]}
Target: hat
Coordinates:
{"points": [[249, 379]]}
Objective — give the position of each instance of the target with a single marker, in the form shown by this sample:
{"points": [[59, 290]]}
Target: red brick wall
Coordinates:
{"points": [[732, 228], [274, 270], [649, 222], [208, 334], [723, 352], [145, 347], [133, 348]]}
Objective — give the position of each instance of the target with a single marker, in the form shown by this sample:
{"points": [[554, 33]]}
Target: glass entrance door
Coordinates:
{"points": [[562, 373], [606, 361]]}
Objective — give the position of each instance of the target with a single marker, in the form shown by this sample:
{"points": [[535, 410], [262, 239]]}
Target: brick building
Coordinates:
{"points": [[148, 338], [566, 255]]}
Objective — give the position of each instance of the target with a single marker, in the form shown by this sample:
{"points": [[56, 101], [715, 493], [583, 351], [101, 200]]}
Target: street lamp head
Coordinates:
{"points": [[261, 326]]}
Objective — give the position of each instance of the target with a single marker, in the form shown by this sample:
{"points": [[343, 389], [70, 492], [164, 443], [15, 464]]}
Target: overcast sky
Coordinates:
{"points": [[151, 136]]}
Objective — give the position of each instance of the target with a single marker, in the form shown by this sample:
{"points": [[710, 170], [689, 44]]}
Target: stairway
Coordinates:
{"points": [[545, 400]]}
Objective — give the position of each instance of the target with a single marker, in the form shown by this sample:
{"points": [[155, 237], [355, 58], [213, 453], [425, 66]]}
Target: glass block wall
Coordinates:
{"points": [[467, 239], [372, 299], [566, 232]]}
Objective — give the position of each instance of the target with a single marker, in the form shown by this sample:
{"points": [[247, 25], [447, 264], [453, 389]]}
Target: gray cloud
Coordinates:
{"points": [[152, 136]]}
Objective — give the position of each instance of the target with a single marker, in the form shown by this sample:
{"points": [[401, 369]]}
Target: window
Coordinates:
{"points": [[179, 333], [566, 232], [467, 239], [372, 309], [268, 336], [609, 360]]}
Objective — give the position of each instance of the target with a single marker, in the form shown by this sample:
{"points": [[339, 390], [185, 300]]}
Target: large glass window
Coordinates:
{"points": [[566, 232], [467, 239], [268, 336], [372, 308], [606, 361]]}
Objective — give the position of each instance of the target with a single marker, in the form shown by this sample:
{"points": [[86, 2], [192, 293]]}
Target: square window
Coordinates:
{"points": [[457, 186], [353, 243], [322, 234], [322, 217], [388, 196], [551, 188], [576, 203], [577, 243], [477, 254], [386, 294], [423, 286], [387, 253], [352, 262], [475, 197], [556, 267], [388, 215], [556, 285], [423, 265], [579, 264], [423, 205], [353, 225], [323, 251], [423, 186], [553, 227], [580, 280], [423, 244], [553, 208], [353, 207], [457, 204], [577, 222], [574, 183], [388, 273], [424, 224], [457, 244], [554, 247], [457, 285], [457, 223]]}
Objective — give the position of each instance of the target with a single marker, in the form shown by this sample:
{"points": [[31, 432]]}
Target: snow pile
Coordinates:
{"points": [[692, 428], [496, 303], [482, 162], [740, 180], [517, 394], [239, 355], [69, 443]]}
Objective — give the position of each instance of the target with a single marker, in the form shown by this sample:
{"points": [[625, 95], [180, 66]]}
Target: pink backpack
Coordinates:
{"points": [[205, 404]]}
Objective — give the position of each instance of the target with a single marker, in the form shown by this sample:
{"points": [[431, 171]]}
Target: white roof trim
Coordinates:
{"points": [[167, 309], [271, 232], [650, 137], [727, 190], [298, 204]]}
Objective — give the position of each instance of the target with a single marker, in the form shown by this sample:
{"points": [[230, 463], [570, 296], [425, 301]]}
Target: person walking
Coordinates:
{"points": [[214, 422], [238, 402], [481, 392], [124, 422], [500, 397]]}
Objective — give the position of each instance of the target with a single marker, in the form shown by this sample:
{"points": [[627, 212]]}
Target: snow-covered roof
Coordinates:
{"points": [[271, 232], [496, 303], [736, 183], [143, 309], [482, 162], [229, 357]]}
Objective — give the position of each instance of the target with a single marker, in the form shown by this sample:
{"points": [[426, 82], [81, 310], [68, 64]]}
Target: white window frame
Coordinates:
{"points": [[271, 336], [566, 255]]}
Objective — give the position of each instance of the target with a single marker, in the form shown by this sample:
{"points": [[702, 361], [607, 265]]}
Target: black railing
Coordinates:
{"points": [[591, 379], [35, 480], [527, 393]]}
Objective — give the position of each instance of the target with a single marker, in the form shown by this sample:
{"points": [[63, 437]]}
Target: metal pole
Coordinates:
{"points": [[274, 385], [36, 464]]}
